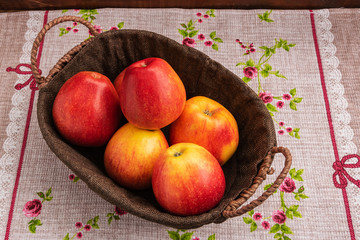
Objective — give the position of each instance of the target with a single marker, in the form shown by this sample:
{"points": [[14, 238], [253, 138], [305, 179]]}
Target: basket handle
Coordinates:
{"points": [[41, 81], [233, 210]]}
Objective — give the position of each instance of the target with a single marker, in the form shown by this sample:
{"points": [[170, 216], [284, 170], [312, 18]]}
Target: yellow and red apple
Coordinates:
{"points": [[86, 110], [209, 124], [187, 180], [151, 94], [131, 154]]}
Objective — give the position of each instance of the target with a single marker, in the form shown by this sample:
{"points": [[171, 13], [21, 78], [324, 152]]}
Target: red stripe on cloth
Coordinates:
{"points": [[331, 127], [23, 147]]}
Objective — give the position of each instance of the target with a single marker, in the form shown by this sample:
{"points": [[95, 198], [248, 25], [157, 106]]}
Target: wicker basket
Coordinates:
{"points": [[109, 53]]}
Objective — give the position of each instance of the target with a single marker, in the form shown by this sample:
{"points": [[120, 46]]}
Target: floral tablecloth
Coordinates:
{"points": [[303, 64]]}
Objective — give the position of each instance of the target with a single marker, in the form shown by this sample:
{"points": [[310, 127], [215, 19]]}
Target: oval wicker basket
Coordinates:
{"points": [[109, 53]]}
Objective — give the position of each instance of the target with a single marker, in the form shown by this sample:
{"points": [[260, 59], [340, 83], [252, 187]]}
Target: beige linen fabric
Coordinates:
{"points": [[15, 48], [348, 137], [323, 214]]}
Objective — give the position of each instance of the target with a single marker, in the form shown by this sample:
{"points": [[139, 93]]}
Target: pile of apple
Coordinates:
{"points": [[185, 170]]}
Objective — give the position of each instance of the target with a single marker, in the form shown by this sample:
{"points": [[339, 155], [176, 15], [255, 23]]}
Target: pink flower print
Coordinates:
{"points": [[119, 211], [281, 124], [286, 96], [87, 227], [196, 238], [288, 185], [252, 50], [79, 235], [265, 225], [247, 51], [243, 46], [78, 225], [189, 42], [266, 97], [201, 37], [114, 28], [239, 42], [71, 177], [281, 132], [76, 10], [280, 104], [257, 216], [206, 16], [97, 28], [68, 29], [279, 216], [32, 208], [251, 45], [250, 72], [200, 20], [75, 30], [198, 14], [75, 24], [208, 43], [289, 129]]}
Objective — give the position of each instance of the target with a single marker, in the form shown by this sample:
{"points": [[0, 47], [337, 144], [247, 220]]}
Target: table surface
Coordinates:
{"points": [[309, 84]]}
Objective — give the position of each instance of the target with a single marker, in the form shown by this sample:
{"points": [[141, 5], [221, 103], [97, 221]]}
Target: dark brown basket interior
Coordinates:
{"points": [[111, 52]]}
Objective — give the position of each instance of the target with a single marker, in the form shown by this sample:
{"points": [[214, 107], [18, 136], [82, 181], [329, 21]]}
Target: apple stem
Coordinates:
{"points": [[177, 154], [207, 112]]}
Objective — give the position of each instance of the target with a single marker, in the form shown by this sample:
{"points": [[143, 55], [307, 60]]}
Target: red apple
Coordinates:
{"points": [[86, 110], [187, 180], [131, 154], [151, 94], [208, 124]]}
